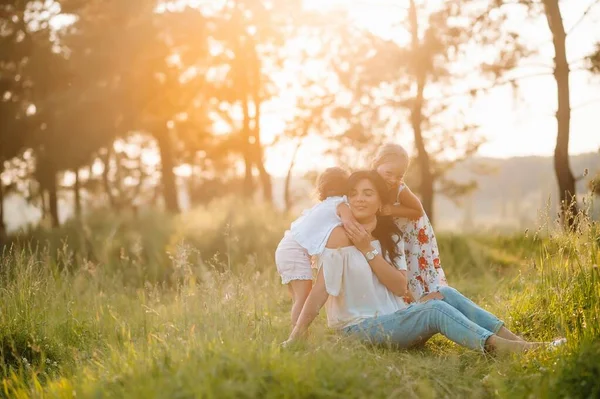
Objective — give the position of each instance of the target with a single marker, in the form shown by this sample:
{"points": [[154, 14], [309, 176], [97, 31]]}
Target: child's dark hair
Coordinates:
{"points": [[332, 183], [386, 231]]}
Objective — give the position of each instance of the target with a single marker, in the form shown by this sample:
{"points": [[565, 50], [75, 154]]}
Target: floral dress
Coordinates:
{"points": [[425, 273]]}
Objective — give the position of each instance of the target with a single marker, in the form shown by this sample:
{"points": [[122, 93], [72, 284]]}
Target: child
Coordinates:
{"points": [[309, 234], [425, 272]]}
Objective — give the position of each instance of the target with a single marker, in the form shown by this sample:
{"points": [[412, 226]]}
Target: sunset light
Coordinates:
{"points": [[299, 199]]}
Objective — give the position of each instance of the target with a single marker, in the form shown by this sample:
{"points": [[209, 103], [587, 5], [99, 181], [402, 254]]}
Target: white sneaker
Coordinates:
{"points": [[556, 343], [559, 342]]}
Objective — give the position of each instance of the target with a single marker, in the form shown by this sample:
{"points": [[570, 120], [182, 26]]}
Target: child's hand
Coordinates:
{"points": [[350, 224], [386, 210], [287, 343], [293, 341]]}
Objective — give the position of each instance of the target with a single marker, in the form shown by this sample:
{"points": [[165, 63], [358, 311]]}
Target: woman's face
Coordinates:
{"points": [[364, 200], [391, 172]]}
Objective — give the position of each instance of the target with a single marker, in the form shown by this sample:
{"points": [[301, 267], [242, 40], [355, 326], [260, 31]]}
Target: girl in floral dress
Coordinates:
{"points": [[425, 273]]}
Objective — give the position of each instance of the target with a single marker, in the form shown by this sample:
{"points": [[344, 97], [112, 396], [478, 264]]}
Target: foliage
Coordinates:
{"points": [[98, 322]]}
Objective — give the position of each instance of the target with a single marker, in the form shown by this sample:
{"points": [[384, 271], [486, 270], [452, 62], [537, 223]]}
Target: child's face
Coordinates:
{"points": [[392, 173]]}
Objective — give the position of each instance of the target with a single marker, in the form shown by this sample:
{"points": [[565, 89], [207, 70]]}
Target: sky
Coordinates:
{"points": [[514, 123]]}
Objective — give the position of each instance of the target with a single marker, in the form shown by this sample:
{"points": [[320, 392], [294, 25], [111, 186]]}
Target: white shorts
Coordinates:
{"points": [[293, 261]]}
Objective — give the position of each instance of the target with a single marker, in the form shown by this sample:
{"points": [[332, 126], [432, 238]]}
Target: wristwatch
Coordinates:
{"points": [[371, 255]]}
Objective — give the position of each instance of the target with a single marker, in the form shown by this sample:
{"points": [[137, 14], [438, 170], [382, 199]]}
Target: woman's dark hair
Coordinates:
{"points": [[386, 231]]}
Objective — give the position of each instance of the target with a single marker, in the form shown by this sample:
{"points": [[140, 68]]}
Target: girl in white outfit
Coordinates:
{"points": [[309, 233]]}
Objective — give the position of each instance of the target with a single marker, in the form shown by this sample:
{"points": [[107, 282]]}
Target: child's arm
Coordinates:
{"points": [[348, 221], [409, 206]]}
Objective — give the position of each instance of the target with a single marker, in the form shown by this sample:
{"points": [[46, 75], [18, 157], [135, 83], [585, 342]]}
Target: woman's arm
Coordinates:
{"points": [[392, 278], [315, 301], [409, 207]]}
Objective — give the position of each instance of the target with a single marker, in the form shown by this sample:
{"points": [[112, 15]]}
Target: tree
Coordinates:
{"points": [[397, 79], [551, 10], [253, 34], [14, 50], [562, 167], [310, 118], [595, 185], [26, 40], [594, 60], [594, 67], [155, 63]]}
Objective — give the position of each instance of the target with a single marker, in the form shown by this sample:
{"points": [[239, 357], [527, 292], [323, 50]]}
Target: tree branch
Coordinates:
{"points": [[505, 82], [585, 104], [583, 16], [474, 90]]}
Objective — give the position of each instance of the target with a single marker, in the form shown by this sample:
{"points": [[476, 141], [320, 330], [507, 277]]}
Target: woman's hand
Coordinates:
{"points": [[361, 240], [348, 221]]}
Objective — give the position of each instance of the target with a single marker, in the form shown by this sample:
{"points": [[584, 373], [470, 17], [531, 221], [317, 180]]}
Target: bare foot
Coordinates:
{"points": [[502, 345]]}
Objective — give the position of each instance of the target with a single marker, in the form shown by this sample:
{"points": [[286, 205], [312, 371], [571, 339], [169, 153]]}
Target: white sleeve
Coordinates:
{"points": [[340, 200], [332, 262], [336, 201], [400, 189]]}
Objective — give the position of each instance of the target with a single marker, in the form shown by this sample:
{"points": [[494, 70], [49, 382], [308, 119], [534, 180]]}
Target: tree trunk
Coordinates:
{"points": [[106, 180], [287, 195], [2, 224], [426, 177], [44, 203], [416, 119], [247, 147], [265, 178], [46, 176], [53, 198], [169, 188], [77, 194], [562, 167]]}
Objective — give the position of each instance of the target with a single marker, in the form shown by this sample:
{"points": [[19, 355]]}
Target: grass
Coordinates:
{"points": [[122, 307]]}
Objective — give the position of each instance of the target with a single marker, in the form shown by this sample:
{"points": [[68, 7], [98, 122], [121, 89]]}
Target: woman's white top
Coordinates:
{"points": [[313, 228], [355, 293]]}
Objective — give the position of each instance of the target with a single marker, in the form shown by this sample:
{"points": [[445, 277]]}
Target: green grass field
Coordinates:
{"points": [[123, 307]]}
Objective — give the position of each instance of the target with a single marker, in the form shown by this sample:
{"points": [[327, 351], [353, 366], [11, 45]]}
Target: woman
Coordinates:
{"points": [[363, 286]]}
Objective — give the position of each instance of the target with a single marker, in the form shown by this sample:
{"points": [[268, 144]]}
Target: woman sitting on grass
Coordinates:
{"points": [[362, 279]]}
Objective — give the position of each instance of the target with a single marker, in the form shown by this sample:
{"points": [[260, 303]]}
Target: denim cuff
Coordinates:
{"points": [[484, 338], [498, 326]]}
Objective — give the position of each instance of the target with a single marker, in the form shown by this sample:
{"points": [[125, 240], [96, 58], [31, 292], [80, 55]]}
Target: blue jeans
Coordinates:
{"points": [[455, 316]]}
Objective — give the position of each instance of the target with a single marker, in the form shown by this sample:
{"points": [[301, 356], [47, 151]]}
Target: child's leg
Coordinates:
{"points": [[299, 290]]}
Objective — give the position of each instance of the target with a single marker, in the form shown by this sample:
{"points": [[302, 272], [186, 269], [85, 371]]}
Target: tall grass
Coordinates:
{"points": [[150, 306]]}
